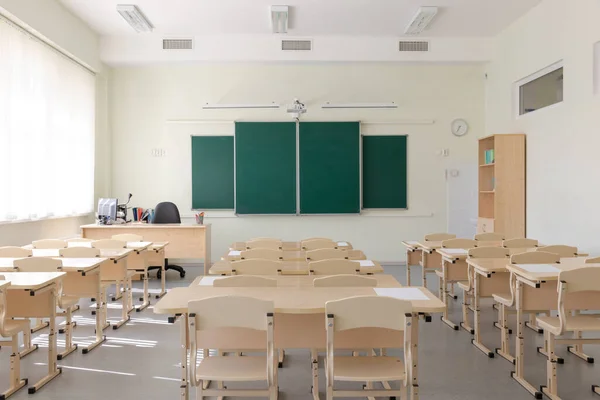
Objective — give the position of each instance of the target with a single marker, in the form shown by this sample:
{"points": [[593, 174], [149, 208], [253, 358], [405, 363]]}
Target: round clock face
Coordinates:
{"points": [[459, 127]]}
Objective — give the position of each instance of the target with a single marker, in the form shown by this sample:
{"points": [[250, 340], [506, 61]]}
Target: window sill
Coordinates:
{"points": [[26, 221]]}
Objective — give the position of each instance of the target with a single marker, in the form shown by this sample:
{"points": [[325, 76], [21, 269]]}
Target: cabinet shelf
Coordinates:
{"points": [[487, 165], [487, 191]]}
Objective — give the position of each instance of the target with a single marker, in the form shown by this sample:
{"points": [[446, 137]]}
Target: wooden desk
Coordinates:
{"points": [[413, 256], [34, 295], [454, 269], [293, 255], [291, 268], [185, 240], [291, 246], [299, 320], [383, 280], [431, 261]]}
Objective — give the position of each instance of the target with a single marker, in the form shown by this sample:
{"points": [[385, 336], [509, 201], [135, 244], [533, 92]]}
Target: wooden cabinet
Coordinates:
{"points": [[502, 185]]}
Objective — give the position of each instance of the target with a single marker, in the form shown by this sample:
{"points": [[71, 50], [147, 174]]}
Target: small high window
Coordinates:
{"points": [[541, 89]]}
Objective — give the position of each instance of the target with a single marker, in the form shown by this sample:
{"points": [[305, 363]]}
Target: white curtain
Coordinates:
{"points": [[47, 128]]}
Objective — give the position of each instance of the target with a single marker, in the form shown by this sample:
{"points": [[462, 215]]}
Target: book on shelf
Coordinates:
{"points": [[489, 156]]}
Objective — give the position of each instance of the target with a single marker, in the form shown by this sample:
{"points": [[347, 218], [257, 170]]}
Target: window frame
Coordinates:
{"points": [[530, 78]]}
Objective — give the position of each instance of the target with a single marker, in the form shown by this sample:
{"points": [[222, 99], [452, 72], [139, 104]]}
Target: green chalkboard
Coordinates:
{"points": [[212, 172], [265, 157], [329, 167], [384, 172]]}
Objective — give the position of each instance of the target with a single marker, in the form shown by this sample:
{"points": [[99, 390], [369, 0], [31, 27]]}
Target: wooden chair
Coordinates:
{"points": [[79, 240], [489, 237], [232, 313], [128, 237], [10, 328], [507, 301], [374, 312], [577, 290], [439, 237], [316, 238], [317, 244], [468, 287], [334, 267], [561, 250], [520, 243], [49, 244], [65, 302], [264, 244], [245, 281], [595, 260], [265, 254], [256, 266], [326, 254], [14, 252], [267, 238], [103, 244], [459, 244], [345, 281]]}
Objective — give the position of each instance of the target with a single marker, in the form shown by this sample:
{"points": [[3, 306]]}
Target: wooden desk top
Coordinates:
{"points": [[383, 280], [32, 280], [138, 246], [112, 254], [289, 300], [159, 245], [429, 246], [411, 244], [291, 267], [296, 255], [139, 225], [4, 284], [566, 264], [69, 264], [291, 246], [490, 265]]}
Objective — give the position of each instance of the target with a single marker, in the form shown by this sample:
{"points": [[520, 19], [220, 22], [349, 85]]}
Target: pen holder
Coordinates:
{"points": [[200, 219]]}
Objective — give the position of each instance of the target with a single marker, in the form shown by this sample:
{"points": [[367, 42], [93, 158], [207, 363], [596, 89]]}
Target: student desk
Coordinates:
{"points": [[34, 295], [383, 280], [290, 246], [299, 320], [293, 268], [413, 256], [431, 261], [293, 255], [454, 269], [185, 240]]}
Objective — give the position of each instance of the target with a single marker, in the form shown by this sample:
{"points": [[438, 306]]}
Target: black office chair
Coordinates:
{"points": [[167, 213]]}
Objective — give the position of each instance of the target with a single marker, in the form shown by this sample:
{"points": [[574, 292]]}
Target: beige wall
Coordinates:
{"points": [[562, 140], [144, 99]]}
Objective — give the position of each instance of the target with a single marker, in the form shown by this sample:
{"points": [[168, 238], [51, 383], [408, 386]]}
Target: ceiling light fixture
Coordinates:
{"points": [[360, 105], [279, 19], [135, 17], [421, 20], [208, 106]]}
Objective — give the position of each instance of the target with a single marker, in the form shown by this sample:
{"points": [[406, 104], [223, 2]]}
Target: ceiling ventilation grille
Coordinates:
{"points": [[413, 46], [178, 44], [296, 45]]}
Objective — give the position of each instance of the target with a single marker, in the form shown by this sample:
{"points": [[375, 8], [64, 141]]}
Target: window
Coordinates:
{"points": [[597, 68], [541, 89], [47, 128]]}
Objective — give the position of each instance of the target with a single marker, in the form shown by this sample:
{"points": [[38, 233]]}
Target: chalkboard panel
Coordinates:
{"points": [[212, 172]]}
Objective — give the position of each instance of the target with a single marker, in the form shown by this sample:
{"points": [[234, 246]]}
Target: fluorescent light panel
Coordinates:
{"points": [[279, 19], [208, 106], [421, 20], [360, 105], [135, 17]]}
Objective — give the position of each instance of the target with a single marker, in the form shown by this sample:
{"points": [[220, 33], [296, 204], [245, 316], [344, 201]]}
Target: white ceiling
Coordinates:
{"points": [[309, 18]]}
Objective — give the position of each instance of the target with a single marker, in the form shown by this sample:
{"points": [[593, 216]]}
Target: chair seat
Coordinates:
{"points": [[68, 301], [503, 298], [584, 323], [14, 326], [368, 369], [241, 369], [464, 285]]}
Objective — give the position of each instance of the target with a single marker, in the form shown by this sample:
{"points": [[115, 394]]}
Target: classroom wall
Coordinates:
{"points": [[159, 107], [66, 31], [562, 140]]}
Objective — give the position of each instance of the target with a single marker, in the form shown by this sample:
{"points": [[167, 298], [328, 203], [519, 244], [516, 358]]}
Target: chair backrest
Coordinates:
{"points": [[38, 264], [79, 240], [459, 244], [264, 244], [14, 252], [245, 281], [561, 250], [594, 260], [326, 254], [265, 254], [439, 237], [334, 267], [256, 266], [489, 237], [316, 238], [79, 252], [267, 238], [166, 213], [577, 289], [368, 312], [345, 281], [318, 244], [489, 252], [520, 243], [535, 257], [109, 244], [128, 237], [49, 244]]}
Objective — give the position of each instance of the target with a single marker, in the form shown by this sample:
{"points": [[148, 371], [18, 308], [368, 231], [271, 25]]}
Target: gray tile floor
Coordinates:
{"points": [[140, 361]]}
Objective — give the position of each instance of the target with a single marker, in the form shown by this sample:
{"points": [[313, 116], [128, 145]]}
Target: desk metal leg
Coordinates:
{"points": [[118, 291], [551, 388], [40, 324], [414, 357], [531, 324], [476, 314], [314, 362], [163, 275], [100, 338], [146, 299], [183, 336], [408, 252], [16, 382], [69, 346], [124, 310], [28, 347], [445, 293], [519, 373]]}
